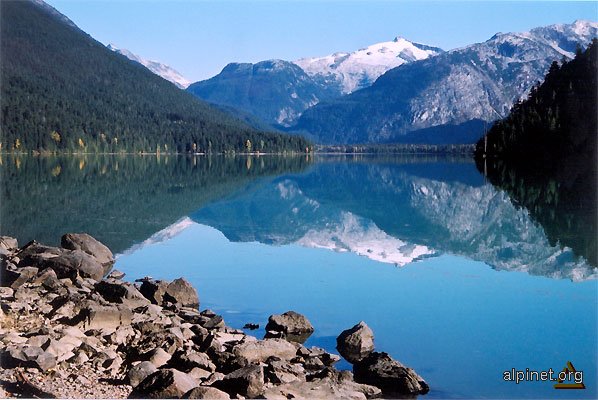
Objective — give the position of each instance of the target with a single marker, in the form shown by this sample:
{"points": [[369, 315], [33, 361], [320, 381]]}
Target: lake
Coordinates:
{"points": [[456, 278]]}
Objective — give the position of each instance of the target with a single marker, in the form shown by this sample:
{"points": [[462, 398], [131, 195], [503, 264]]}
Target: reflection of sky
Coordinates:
{"points": [[459, 323]]}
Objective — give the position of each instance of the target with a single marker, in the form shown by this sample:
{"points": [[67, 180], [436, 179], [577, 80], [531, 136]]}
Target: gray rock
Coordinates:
{"points": [[153, 290], [116, 274], [290, 325], [181, 292], [164, 384], [331, 385], [280, 372], [246, 381], [86, 243], [25, 274], [68, 264], [158, 357], [28, 356], [261, 350], [380, 370], [8, 243], [356, 343], [48, 279], [119, 292], [95, 316], [206, 392], [139, 372], [6, 292], [185, 361]]}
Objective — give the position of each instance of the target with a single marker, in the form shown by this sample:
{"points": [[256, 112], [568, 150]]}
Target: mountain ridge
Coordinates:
{"points": [[158, 68], [476, 82]]}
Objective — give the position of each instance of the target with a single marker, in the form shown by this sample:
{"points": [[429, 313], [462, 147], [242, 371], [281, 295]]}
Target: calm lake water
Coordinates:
{"points": [[454, 279]]}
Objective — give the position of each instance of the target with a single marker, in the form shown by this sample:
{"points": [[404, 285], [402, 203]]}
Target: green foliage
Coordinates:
{"points": [[58, 82], [557, 121], [544, 153], [120, 199]]}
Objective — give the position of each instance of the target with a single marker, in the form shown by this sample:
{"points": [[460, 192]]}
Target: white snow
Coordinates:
{"points": [[360, 236], [361, 68], [163, 70]]}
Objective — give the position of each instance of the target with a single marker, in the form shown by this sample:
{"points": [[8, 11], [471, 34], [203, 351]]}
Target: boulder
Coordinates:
{"points": [[157, 356], [119, 292], [278, 371], [380, 370], [67, 264], [8, 243], [187, 360], [247, 381], [95, 316], [356, 343], [331, 385], [23, 275], [260, 350], [139, 372], [153, 290], [206, 392], [164, 384], [28, 356], [290, 325], [86, 243], [181, 292]]}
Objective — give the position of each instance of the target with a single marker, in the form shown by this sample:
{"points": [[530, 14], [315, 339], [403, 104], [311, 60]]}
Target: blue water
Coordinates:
{"points": [[459, 323], [491, 295], [455, 279]]}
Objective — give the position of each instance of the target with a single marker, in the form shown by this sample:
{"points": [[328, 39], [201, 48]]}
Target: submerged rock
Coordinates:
{"points": [[290, 325], [356, 343], [380, 370]]}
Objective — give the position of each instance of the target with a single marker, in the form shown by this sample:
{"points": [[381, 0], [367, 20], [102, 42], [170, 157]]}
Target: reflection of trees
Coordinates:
{"points": [[120, 200], [562, 200]]}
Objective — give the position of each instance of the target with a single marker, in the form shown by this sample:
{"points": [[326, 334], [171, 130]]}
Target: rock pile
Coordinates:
{"points": [[71, 328]]}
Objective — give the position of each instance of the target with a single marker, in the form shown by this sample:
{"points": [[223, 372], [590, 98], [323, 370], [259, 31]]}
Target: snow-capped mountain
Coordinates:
{"points": [[278, 91], [479, 82], [157, 68], [359, 69]]}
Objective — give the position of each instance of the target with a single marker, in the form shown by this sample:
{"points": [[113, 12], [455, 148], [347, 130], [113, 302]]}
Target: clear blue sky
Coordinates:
{"points": [[198, 38]]}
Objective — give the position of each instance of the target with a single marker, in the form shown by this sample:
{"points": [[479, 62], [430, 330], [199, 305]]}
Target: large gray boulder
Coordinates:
{"points": [[395, 379], [356, 343], [89, 245], [247, 381], [181, 292], [164, 384], [290, 325], [259, 351], [66, 263]]}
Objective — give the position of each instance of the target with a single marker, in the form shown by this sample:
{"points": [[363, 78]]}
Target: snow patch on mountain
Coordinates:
{"points": [[361, 236], [162, 236], [359, 69], [163, 70]]}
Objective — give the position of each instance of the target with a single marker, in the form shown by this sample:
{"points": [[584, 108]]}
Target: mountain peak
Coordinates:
{"points": [[163, 70], [360, 68]]}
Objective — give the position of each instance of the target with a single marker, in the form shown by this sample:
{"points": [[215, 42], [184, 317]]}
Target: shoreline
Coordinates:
{"points": [[70, 327]]}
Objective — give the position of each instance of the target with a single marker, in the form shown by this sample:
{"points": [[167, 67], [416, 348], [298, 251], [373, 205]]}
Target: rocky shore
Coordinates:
{"points": [[70, 327]]}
